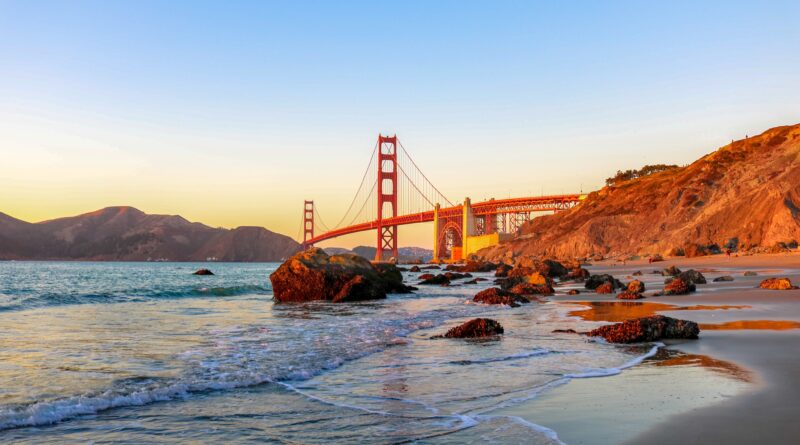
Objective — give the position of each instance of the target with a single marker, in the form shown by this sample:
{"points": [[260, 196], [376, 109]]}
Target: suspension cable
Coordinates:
{"points": [[363, 178], [423, 174]]}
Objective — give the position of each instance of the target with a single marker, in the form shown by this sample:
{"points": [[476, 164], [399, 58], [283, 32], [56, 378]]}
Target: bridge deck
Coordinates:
{"points": [[485, 208]]}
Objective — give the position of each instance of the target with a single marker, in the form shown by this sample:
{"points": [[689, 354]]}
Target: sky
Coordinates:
{"points": [[232, 113]]}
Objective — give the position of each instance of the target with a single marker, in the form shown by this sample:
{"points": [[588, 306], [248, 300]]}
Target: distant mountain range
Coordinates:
{"points": [[405, 253], [128, 234]]}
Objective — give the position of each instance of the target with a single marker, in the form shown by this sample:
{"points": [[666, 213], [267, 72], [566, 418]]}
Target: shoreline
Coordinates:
{"points": [[736, 384]]}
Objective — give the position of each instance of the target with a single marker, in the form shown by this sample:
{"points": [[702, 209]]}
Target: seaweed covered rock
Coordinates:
{"points": [[678, 287], [628, 295], [495, 295], [777, 284], [314, 275], [653, 328], [531, 289], [636, 287], [475, 328]]}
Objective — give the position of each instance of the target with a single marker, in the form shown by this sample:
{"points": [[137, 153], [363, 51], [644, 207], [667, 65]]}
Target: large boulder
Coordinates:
{"points": [[475, 328], [314, 275], [494, 295], [653, 328], [777, 284]]}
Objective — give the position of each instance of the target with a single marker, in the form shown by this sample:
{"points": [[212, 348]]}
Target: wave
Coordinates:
{"points": [[17, 302]]}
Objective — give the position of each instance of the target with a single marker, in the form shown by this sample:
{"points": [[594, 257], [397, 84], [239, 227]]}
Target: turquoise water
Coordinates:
{"points": [[149, 353]]}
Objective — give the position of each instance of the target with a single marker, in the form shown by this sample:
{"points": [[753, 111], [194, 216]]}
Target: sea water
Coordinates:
{"points": [[149, 353]]}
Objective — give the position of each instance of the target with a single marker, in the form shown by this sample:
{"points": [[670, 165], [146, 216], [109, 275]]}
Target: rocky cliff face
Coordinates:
{"points": [[744, 195], [125, 233]]}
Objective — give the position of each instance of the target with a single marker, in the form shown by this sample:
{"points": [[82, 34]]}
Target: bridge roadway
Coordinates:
{"points": [[485, 208]]}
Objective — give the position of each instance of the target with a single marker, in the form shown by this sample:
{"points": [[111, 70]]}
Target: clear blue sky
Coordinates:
{"points": [[231, 113]]}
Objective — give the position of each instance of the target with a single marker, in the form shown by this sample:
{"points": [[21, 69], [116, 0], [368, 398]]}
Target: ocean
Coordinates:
{"points": [[149, 353]]}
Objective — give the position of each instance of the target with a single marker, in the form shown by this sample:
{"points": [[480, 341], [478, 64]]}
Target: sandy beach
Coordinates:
{"points": [[737, 384]]}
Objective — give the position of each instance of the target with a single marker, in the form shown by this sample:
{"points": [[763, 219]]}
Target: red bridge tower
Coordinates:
{"points": [[308, 223], [387, 194]]}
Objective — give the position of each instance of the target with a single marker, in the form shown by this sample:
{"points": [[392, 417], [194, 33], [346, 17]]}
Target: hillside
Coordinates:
{"points": [[745, 195], [128, 234], [406, 254]]}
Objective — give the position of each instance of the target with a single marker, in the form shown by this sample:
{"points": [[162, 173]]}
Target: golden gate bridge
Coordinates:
{"points": [[394, 192]]}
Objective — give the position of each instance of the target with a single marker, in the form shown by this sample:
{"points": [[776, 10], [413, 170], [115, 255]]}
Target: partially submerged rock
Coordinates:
{"points": [[692, 276], [750, 273], [628, 295], [671, 271], [636, 287], [203, 272], [314, 275], [477, 266], [678, 287], [440, 279], [531, 289], [653, 328], [777, 284], [723, 278], [594, 281], [494, 295], [475, 328], [573, 292]]}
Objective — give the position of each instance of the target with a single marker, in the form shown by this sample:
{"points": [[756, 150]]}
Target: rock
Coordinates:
{"points": [[573, 292], [628, 295], [605, 288], [475, 328], [638, 273], [656, 258], [521, 275], [439, 279], [203, 272], [692, 276], [415, 269], [671, 271], [578, 274], [723, 278], [552, 269], [502, 270], [456, 276], [678, 287], [565, 331], [636, 287], [596, 280], [646, 329], [430, 267], [750, 274], [478, 266], [314, 275], [531, 289], [426, 276], [392, 278], [777, 284], [495, 295], [475, 280]]}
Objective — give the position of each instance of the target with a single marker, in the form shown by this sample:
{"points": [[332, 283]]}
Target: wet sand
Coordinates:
{"points": [[737, 384]]}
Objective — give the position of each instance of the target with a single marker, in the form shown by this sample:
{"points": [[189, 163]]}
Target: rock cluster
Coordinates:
{"points": [[647, 329]]}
